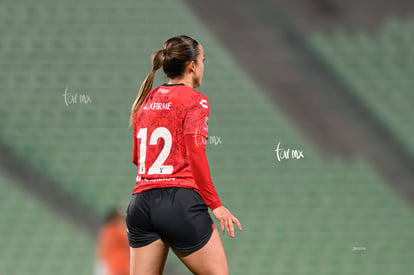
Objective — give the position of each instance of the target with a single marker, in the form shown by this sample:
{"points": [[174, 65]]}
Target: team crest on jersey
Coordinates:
{"points": [[206, 121], [163, 90]]}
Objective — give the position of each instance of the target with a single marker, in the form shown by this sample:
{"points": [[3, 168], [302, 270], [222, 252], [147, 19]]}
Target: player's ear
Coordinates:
{"points": [[191, 66]]}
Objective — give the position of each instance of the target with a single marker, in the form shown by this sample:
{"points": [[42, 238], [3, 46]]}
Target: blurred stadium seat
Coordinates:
{"points": [[307, 216], [378, 67], [36, 241]]}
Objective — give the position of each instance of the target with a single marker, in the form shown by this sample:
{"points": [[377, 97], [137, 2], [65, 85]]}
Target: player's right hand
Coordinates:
{"points": [[226, 220]]}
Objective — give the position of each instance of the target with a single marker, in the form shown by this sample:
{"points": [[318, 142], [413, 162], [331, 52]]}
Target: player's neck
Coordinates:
{"points": [[185, 80]]}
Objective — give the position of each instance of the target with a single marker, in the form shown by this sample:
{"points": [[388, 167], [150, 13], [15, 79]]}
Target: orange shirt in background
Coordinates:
{"points": [[113, 248]]}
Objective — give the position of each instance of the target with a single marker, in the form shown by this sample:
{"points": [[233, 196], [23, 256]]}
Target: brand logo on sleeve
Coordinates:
{"points": [[204, 103]]}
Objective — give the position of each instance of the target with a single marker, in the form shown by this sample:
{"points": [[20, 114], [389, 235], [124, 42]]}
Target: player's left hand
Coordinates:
{"points": [[226, 220]]}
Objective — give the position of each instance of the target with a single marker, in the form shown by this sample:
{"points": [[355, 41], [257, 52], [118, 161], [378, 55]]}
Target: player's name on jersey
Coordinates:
{"points": [[158, 106]]}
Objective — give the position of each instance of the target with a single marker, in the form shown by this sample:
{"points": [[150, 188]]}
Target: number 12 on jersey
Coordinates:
{"points": [[157, 167]]}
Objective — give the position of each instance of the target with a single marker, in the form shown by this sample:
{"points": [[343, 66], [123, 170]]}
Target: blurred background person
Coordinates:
{"points": [[112, 251]]}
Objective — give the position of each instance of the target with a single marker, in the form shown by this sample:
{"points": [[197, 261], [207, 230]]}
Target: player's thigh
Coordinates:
{"points": [[209, 260], [149, 259]]}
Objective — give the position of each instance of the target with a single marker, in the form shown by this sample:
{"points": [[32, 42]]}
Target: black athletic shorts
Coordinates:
{"points": [[177, 215]]}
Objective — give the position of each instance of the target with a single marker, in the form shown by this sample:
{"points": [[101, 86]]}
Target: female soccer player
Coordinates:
{"points": [[169, 205]]}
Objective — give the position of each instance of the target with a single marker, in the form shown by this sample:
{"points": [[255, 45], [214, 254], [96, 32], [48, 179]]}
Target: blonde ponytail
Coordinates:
{"points": [[158, 58]]}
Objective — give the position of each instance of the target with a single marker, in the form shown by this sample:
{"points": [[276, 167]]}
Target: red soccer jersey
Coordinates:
{"points": [[168, 113]]}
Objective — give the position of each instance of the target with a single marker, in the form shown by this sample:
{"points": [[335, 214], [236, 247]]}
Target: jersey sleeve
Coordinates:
{"points": [[196, 119], [134, 145], [201, 172]]}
